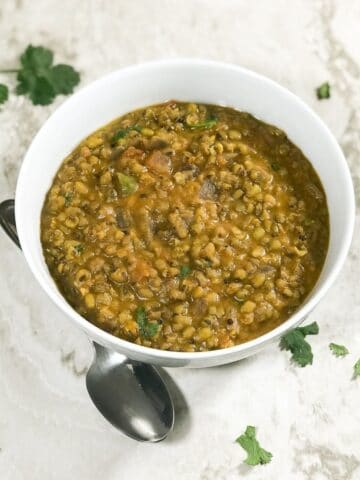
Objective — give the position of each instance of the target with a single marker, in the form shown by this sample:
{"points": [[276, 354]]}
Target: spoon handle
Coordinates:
{"points": [[7, 220]]}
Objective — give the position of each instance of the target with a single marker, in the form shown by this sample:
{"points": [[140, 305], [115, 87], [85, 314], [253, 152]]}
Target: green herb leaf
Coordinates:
{"points": [[68, 198], [79, 248], [357, 369], [4, 93], [275, 166], [311, 329], [211, 122], [338, 350], [123, 132], [323, 91], [295, 342], [39, 89], [42, 81], [184, 271], [146, 329], [125, 184], [64, 78], [256, 454], [37, 58]]}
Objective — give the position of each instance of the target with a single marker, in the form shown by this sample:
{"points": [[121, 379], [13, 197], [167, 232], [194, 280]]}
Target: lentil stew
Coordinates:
{"points": [[186, 227]]}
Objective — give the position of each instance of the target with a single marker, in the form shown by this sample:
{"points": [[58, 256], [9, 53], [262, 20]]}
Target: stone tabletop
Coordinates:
{"points": [[308, 418]]}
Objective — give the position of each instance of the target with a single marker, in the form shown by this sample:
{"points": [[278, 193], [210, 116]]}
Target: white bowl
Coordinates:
{"points": [[186, 80]]}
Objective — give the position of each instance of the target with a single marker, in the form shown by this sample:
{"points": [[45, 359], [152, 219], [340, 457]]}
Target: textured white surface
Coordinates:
{"points": [[309, 418]]}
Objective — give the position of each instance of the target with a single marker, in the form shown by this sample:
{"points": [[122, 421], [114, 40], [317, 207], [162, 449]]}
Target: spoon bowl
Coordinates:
{"points": [[131, 395]]}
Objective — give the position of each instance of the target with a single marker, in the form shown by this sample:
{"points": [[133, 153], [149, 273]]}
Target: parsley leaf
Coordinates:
{"points": [[338, 350], [184, 271], [256, 454], [42, 81], [295, 342], [357, 369], [275, 166], [211, 122], [4, 93], [146, 329], [323, 91]]}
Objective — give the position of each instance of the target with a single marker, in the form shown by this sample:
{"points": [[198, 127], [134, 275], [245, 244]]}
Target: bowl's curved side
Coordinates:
{"points": [[187, 80]]}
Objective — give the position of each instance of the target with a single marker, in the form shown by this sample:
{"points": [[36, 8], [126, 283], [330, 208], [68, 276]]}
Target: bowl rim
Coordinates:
{"points": [[252, 345]]}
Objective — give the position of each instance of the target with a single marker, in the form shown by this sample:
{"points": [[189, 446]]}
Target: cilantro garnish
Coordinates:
{"points": [[146, 329], [275, 166], [323, 91], [79, 248], [68, 198], [338, 350], [256, 454], [357, 369], [4, 93], [123, 132], [295, 342], [41, 80], [211, 122], [184, 271]]}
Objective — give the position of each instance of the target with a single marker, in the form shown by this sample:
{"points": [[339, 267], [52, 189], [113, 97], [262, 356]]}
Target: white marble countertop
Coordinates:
{"points": [[308, 418]]}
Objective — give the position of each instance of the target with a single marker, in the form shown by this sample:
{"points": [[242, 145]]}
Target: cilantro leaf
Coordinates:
{"points": [[41, 91], [36, 58], [79, 248], [184, 271], [4, 93], [146, 329], [256, 454], [211, 122], [123, 132], [357, 369], [295, 342], [323, 91], [64, 78], [68, 198], [42, 81], [338, 350], [311, 329], [275, 166]]}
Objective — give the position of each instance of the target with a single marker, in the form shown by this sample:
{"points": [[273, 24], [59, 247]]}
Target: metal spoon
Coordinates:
{"points": [[131, 395]]}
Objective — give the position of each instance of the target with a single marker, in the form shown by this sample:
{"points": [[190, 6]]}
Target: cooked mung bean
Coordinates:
{"points": [[186, 227]]}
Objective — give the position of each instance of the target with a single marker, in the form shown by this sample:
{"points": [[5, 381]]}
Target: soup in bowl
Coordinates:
{"points": [[189, 232], [186, 227]]}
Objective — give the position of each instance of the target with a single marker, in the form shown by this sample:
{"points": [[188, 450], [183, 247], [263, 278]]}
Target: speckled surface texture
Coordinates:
{"points": [[308, 418]]}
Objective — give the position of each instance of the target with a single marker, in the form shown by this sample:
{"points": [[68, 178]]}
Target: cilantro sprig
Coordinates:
{"points": [[295, 342], [256, 455], [146, 329], [38, 78]]}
